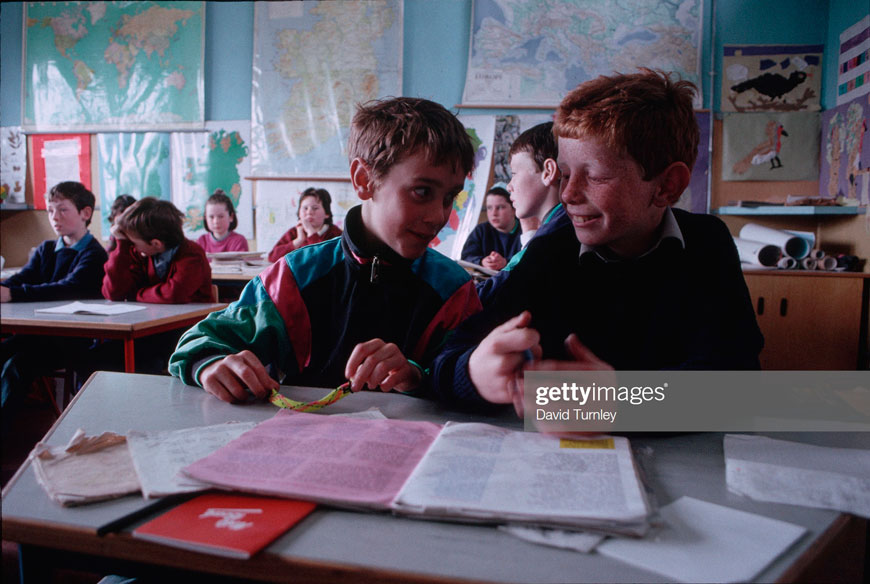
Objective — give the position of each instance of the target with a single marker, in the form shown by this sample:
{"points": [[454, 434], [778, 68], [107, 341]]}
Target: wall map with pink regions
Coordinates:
{"points": [[845, 153]]}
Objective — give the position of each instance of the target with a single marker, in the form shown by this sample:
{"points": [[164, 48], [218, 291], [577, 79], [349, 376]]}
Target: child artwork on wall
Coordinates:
{"points": [[13, 164], [783, 78], [770, 147], [845, 157]]}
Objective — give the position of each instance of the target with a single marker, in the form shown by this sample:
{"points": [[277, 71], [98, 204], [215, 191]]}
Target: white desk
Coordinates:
{"points": [[20, 317], [343, 546]]}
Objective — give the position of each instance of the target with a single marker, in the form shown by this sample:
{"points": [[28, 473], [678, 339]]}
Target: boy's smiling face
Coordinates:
{"points": [[606, 197], [410, 204]]}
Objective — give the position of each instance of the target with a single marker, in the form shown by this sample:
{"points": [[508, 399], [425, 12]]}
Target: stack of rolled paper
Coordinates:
{"points": [[763, 246]]}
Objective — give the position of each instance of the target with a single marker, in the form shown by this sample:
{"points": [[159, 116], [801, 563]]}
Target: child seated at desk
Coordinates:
{"points": [[154, 262], [67, 268], [315, 224], [493, 243], [631, 283], [220, 224], [534, 189], [372, 306], [120, 203]]}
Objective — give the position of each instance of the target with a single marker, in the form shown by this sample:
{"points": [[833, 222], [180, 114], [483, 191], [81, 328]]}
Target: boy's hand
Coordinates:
{"points": [[5, 294], [378, 364], [235, 377], [117, 232], [584, 359], [494, 261], [496, 363]]}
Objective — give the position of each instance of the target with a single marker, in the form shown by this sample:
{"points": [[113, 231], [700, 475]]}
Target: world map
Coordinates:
{"points": [[313, 62], [111, 65], [532, 53]]}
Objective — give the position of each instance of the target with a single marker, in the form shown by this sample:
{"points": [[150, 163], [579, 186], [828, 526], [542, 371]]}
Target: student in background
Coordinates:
{"points": [[315, 224], [631, 283], [154, 262], [220, 223], [372, 306], [67, 268], [493, 243], [534, 189], [534, 184], [120, 203]]}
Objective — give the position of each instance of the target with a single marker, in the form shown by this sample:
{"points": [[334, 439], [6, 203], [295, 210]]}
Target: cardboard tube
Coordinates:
{"points": [[786, 263], [826, 263], [757, 253], [796, 247], [808, 263]]}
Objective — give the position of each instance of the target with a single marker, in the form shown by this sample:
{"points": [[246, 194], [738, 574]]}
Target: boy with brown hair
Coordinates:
{"points": [[631, 283], [534, 184], [153, 261], [373, 306], [67, 268]]}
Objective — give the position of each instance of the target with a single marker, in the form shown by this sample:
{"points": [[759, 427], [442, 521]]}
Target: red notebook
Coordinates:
{"points": [[236, 526]]}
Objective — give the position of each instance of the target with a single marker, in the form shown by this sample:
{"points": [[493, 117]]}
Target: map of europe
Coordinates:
{"points": [[313, 62], [532, 53], [113, 65]]}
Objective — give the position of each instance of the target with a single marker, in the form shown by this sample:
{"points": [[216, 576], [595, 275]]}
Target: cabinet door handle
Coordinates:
{"points": [[760, 305], [783, 306]]}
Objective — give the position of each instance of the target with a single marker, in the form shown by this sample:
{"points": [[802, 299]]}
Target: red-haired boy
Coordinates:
{"points": [[631, 283]]}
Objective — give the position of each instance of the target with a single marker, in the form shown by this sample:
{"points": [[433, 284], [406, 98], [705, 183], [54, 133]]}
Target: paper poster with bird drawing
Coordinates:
{"points": [[845, 159], [782, 78], [771, 146]]}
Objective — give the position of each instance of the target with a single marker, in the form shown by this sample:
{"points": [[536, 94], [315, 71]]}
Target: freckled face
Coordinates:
{"points": [[218, 218], [410, 205], [606, 197]]}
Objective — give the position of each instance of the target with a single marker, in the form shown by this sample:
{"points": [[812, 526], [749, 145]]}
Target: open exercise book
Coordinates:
{"points": [[460, 472], [77, 307]]}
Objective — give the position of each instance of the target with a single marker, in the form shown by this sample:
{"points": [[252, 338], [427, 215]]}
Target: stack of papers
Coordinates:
{"points": [[798, 474], [87, 469], [463, 472]]}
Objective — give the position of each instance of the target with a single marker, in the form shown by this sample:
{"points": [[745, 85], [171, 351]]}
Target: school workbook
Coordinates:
{"points": [[461, 471], [236, 526]]}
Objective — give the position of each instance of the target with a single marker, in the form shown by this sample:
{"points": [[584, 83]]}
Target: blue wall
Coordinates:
{"points": [[436, 47]]}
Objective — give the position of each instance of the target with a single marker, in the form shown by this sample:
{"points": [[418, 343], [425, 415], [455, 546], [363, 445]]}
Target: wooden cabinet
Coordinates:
{"points": [[811, 321]]}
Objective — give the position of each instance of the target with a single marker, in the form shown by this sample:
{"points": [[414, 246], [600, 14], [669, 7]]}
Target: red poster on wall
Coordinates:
{"points": [[58, 158]]}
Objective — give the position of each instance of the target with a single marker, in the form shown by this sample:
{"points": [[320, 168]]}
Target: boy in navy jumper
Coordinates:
{"points": [[631, 283], [67, 268], [372, 306], [492, 244], [153, 261]]}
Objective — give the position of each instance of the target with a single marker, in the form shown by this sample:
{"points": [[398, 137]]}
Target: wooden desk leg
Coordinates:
{"points": [[129, 359]]}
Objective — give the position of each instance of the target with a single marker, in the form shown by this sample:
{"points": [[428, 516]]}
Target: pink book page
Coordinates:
{"points": [[329, 459]]}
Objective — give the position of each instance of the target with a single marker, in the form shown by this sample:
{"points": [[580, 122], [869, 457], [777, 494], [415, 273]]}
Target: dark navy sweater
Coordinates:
{"points": [[63, 274]]}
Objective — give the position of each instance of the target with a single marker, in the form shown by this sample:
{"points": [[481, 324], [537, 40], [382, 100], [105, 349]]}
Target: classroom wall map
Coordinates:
{"points": [[532, 53], [113, 65], [313, 62]]}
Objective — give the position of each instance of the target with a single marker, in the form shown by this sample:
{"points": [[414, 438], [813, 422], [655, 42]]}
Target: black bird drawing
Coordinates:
{"points": [[773, 85]]}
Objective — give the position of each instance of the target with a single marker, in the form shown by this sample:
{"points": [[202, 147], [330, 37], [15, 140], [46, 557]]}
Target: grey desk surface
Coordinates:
{"points": [[24, 313], [689, 464]]}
